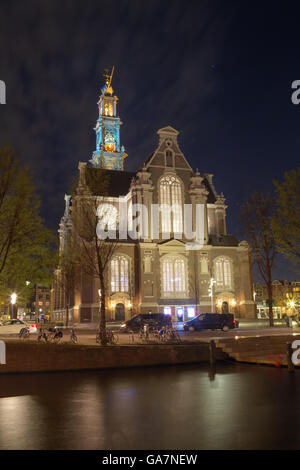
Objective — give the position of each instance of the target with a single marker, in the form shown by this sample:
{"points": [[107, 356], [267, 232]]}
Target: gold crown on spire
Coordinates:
{"points": [[108, 78]]}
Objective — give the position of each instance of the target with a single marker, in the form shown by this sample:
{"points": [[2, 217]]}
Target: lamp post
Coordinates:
{"points": [[13, 299]]}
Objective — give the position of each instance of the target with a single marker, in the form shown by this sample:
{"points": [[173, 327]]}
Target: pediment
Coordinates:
{"points": [[168, 130], [172, 246], [173, 242]]}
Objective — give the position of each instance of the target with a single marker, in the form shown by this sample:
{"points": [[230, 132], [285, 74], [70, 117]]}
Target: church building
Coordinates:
{"points": [[164, 270]]}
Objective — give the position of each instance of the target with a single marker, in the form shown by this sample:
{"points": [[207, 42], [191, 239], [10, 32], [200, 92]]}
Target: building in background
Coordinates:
{"points": [[286, 299], [39, 304], [159, 274]]}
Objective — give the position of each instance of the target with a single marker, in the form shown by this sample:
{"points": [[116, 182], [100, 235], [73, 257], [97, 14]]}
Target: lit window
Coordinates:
{"points": [[223, 275], [167, 311], [171, 202], [191, 312], [109, 142], [173, 276], [119, 274]]}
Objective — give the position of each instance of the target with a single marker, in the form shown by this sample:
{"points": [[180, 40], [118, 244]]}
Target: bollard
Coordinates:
{"points": [[289, 352], [212, 352]]}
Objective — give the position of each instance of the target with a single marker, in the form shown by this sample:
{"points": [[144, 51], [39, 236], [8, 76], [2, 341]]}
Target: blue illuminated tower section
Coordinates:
{"points": [[108, 153]]}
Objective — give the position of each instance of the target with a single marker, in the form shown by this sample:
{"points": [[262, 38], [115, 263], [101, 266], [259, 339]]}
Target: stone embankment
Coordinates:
{"points": [[31, 356], [269, 350]]}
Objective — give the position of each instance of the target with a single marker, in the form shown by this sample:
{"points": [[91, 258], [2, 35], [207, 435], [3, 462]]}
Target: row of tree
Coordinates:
{"points": [[28, 251], [272, 226], [27, 247]]}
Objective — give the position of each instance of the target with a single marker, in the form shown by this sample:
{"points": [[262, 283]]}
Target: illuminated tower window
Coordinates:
{"points": [[109, 143]]}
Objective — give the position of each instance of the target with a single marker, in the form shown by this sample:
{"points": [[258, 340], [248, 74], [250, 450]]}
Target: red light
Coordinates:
{"points": [[233, 321]]}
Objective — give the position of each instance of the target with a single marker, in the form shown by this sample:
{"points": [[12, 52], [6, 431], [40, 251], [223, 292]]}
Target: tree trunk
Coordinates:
{"points": [[270, 299], [102, 319]]}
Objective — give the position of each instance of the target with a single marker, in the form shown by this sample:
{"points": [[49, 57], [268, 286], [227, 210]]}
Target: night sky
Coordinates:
{"points": [[220, 72]]}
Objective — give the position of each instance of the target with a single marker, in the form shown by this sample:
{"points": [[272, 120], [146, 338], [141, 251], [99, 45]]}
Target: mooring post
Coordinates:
{"points": [[289, 353], [212, 352]]}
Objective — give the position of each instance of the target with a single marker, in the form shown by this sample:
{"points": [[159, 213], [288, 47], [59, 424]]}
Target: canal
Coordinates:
{"points": [[184, 407]]}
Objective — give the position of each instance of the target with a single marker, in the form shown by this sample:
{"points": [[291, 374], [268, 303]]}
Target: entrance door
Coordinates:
{"points": [[120, 312], [225, 308]]}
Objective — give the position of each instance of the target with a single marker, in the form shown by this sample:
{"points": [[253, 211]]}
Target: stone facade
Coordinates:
{"points": [[159, 273]]}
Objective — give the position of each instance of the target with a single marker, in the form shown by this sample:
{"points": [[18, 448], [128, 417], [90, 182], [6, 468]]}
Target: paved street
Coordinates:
{"points": [[87, 337]]}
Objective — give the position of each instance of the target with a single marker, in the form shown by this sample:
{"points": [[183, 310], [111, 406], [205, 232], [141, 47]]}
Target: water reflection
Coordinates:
{"points": [[232, 407]]}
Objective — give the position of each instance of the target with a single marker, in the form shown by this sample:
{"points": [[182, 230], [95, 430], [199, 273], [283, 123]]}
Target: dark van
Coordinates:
{"points": [[153, 320], [211, 321]]}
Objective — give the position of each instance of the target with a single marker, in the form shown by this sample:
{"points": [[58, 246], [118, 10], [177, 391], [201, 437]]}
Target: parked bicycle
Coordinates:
{"points": [[144, 333], [166, 335], [42, 336], [112, 338], [55, 335], [173, 336], [73, 336], [24, 333]]}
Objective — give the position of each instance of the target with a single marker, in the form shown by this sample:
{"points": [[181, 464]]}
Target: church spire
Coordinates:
{"points": [[108, 153]]}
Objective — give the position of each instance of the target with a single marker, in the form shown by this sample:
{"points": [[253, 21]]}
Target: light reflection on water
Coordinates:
{"points": [[242, 407]]}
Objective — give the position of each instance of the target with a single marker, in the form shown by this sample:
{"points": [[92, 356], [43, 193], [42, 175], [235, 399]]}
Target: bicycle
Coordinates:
{"points": [[73, 336], [54, 335], [112, 338], [42, 336], [173, 336], [143, 334], [24, 333]]}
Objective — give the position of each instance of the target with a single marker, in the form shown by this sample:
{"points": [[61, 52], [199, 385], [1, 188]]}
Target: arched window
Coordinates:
{"points": [[119, 274], [171, 204], [223, 273], [173, 276]]}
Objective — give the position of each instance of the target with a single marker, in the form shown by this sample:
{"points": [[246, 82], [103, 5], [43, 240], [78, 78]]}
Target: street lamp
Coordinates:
{"points": [[13, 299]]}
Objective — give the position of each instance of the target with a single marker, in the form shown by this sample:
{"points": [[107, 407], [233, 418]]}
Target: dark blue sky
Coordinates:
{"points": [[218, 71]]}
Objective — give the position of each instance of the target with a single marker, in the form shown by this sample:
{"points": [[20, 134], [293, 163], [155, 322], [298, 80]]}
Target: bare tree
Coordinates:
{"points": [[256, 217], [67, 276], [286, 221], [92, 251]]}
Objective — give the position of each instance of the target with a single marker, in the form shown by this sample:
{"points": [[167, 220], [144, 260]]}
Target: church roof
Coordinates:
{"points": [[223, 240], [117, 181]]}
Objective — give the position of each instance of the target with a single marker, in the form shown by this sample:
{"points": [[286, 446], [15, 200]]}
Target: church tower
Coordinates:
{"points": [[108, 153]]}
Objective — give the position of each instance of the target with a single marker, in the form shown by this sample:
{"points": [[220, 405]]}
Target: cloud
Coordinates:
{"points": [[52, 58]]}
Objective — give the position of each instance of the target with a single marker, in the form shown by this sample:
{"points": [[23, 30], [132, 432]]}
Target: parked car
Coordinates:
{"points": [[13, 327], [211, 321], [154, 320]]}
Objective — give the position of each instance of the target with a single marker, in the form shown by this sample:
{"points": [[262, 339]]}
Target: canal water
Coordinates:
{"points": [[184, 407]]}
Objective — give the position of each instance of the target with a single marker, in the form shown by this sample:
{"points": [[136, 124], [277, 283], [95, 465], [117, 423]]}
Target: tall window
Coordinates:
{"points": [[173, 276], [119, 274], [223, 273], [169, 158], [171, 198]]}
